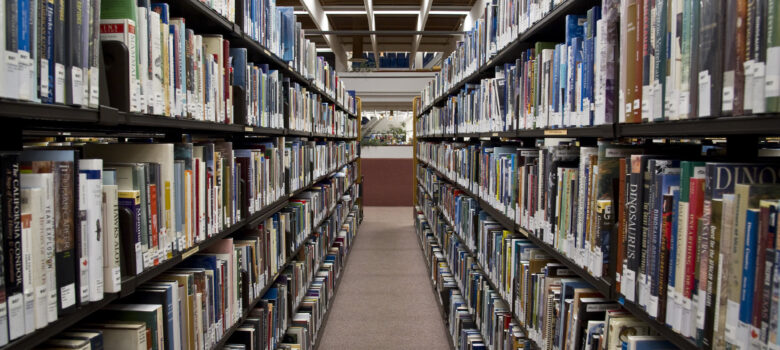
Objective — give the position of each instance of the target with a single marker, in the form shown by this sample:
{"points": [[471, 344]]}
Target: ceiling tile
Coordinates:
{"points": [[348, 22], [443, 22], [396, 22]]}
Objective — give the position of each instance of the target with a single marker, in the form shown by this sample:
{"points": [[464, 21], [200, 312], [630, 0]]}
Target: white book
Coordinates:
{"points": [[92, 169], [112, 277], [144, 96], [31, 214], [45, 181], [156, 64]]}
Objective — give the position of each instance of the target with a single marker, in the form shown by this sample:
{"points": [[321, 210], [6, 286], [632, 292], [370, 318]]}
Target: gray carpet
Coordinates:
{"points": [[385, 299]]}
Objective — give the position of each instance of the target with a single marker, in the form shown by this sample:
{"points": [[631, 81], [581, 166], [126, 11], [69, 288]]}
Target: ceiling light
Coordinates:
{"points": [[451, 13], [346, 12], [324, 49], [300, 12], [396, 12]]}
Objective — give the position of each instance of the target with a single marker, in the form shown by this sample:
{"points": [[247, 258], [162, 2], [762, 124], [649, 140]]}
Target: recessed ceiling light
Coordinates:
{"points": [[452, 13], [346, 12], [397, 12]]}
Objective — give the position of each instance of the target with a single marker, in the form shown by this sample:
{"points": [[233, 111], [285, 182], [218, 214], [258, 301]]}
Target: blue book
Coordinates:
{"points": [[23, 26], [287, 19], [749, 267], [47, 72], [239, 59]]}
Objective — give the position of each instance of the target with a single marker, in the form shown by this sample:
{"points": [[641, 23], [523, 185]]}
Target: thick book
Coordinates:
{"points": [[91, 170], [118, 21], [711, 42]]}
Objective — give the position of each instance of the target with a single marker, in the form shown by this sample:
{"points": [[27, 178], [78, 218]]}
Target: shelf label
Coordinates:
{"points": [[248, 129], [556, 132]]}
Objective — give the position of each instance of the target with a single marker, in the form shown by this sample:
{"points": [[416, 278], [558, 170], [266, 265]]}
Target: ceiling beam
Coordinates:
{"points": [[425, 9], [320, 19], [369, 5]]}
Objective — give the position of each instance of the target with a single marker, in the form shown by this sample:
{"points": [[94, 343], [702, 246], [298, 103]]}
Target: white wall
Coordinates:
{"points": [[378, 89], [394, 152]]}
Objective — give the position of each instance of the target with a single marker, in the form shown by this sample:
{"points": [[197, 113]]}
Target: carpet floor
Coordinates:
{"points": [[385, 299]]}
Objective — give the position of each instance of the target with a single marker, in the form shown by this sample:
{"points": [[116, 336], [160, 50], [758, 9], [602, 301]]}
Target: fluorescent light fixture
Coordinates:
{"points": [[300, 12], [346, 12], [396, 12], [324, 49], [450, 13]]}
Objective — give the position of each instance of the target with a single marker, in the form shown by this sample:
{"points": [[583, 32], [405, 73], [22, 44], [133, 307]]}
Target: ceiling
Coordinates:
{"points": [[349, 21]]}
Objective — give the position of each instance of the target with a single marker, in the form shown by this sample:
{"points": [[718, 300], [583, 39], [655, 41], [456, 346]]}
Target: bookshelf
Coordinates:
{"points": [[22, 119], [739, 137]]}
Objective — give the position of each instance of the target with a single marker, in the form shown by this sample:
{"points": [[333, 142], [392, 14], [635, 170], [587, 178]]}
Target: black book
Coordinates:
{"points": [[60, 50], [74, 76], [12, 230], [710, 73]]}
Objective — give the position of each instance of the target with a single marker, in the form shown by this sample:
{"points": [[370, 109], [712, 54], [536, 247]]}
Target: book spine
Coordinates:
{"points": [[46, 51], [92, 169], [60, 37], [30, 212], [112, 276], [92, 96], [772, 87], [10, 56], [74, 75], [748, 274], [13, 239], [130, 223], [696, 193]]}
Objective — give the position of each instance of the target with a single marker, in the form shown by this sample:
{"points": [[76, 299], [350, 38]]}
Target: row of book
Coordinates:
{"points": [[555, 308], [694, 60], [501, 22], [678, 218], [493, 319], [460, 322], [194, 304], [307, 112], [171, 70], [550, 85], [79, 220], [308, 160]]}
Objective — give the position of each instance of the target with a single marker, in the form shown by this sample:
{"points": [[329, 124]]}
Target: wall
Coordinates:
{"points": [[387, 172], [386, 90]]}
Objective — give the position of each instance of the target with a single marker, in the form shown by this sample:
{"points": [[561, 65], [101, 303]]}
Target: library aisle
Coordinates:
{"points": [[385, 299]]}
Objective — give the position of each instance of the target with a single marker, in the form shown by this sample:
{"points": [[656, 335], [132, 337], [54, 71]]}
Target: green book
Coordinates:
{"points": [[149, 314], [772, 87]]}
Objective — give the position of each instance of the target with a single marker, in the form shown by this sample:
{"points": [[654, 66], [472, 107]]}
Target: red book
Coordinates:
{"points": [[695, 210], [153, 214]]}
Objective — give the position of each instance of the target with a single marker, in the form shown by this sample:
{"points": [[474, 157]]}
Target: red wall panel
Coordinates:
{"points": [[387, 182]]}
